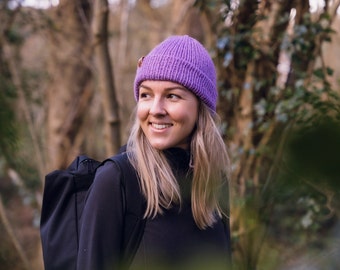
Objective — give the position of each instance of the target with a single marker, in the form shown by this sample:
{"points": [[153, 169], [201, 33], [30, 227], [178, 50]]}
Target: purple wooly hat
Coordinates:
{"points": [[183, 60]]}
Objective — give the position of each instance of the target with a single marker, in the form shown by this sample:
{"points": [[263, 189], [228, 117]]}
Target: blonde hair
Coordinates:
{"points": [[210, 162]]}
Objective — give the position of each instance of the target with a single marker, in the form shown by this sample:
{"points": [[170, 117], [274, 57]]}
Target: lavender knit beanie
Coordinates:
{"points": [[183, 60]]}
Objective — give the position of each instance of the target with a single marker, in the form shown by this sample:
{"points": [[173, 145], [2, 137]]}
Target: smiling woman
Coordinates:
{"points": [[182, 165]]}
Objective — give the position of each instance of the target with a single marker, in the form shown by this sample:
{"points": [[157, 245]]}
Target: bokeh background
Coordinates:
{"points": [[66, 88]]}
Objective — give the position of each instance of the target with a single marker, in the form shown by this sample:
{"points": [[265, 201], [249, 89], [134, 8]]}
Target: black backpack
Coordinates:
{"points": [[63, 202]]}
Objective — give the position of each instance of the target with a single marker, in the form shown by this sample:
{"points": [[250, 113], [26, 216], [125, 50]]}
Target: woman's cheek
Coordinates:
{"points": [[142, 110]]}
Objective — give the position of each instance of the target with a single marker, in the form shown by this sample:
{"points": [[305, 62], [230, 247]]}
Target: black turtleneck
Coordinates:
{"points": [[172, 240]]}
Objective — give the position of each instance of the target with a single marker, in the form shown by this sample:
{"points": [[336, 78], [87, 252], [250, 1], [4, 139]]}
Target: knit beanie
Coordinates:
{"points": [[183, 60]]}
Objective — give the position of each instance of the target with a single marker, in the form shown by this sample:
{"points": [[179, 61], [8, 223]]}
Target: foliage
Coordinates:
{"points": [[8, 94], [8, 130], [13, 132], [263, 107]]}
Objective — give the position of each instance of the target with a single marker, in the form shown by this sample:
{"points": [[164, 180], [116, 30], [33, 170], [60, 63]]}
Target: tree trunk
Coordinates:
{"points": [[241, 77], [105, 77], [70, 90], [124, 34]]}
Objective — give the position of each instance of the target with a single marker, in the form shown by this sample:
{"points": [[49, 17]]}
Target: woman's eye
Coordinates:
{"points": [[173, 96], [143, 95]]}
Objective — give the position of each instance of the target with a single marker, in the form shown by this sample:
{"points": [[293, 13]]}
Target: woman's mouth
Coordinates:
{"points": [[160, 126]]}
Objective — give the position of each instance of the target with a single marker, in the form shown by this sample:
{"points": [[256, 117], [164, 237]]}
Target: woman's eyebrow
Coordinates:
{"points": [[178, 87], [144, 86]]}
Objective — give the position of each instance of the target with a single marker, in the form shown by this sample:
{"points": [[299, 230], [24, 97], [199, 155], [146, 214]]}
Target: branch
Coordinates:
{"points": [[182, 14], [27, 115], [12, 236]]}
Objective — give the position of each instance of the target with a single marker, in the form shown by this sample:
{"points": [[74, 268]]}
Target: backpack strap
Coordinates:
{"points": [[134, 207]]}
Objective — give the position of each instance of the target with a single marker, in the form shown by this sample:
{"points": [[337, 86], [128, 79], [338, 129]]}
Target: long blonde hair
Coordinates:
{"points": [[210, 162]]}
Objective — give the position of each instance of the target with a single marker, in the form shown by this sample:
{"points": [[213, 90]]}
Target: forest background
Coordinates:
{"points": [[66, 80]]}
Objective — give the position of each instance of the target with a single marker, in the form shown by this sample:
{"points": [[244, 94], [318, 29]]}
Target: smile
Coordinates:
{"points": [[160, 126]]}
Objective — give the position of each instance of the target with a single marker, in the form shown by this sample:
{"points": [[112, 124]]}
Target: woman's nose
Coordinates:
{"points": [[157, 107]]}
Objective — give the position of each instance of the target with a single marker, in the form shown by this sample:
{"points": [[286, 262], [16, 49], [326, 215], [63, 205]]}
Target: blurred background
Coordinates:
{"points": [[66, 88]]}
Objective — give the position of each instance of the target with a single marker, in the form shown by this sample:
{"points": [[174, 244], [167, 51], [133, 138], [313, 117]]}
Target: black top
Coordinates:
{"points": [[170, 240]]}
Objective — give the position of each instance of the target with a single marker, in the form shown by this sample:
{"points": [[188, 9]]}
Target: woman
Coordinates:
{"points": [[182, 167]]}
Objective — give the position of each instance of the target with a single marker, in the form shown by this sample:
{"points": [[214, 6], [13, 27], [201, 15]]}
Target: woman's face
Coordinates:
{"points": [[167, 113]]}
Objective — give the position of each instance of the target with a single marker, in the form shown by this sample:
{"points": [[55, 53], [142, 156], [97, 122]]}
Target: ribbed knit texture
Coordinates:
{"points": [[183, 60]]}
